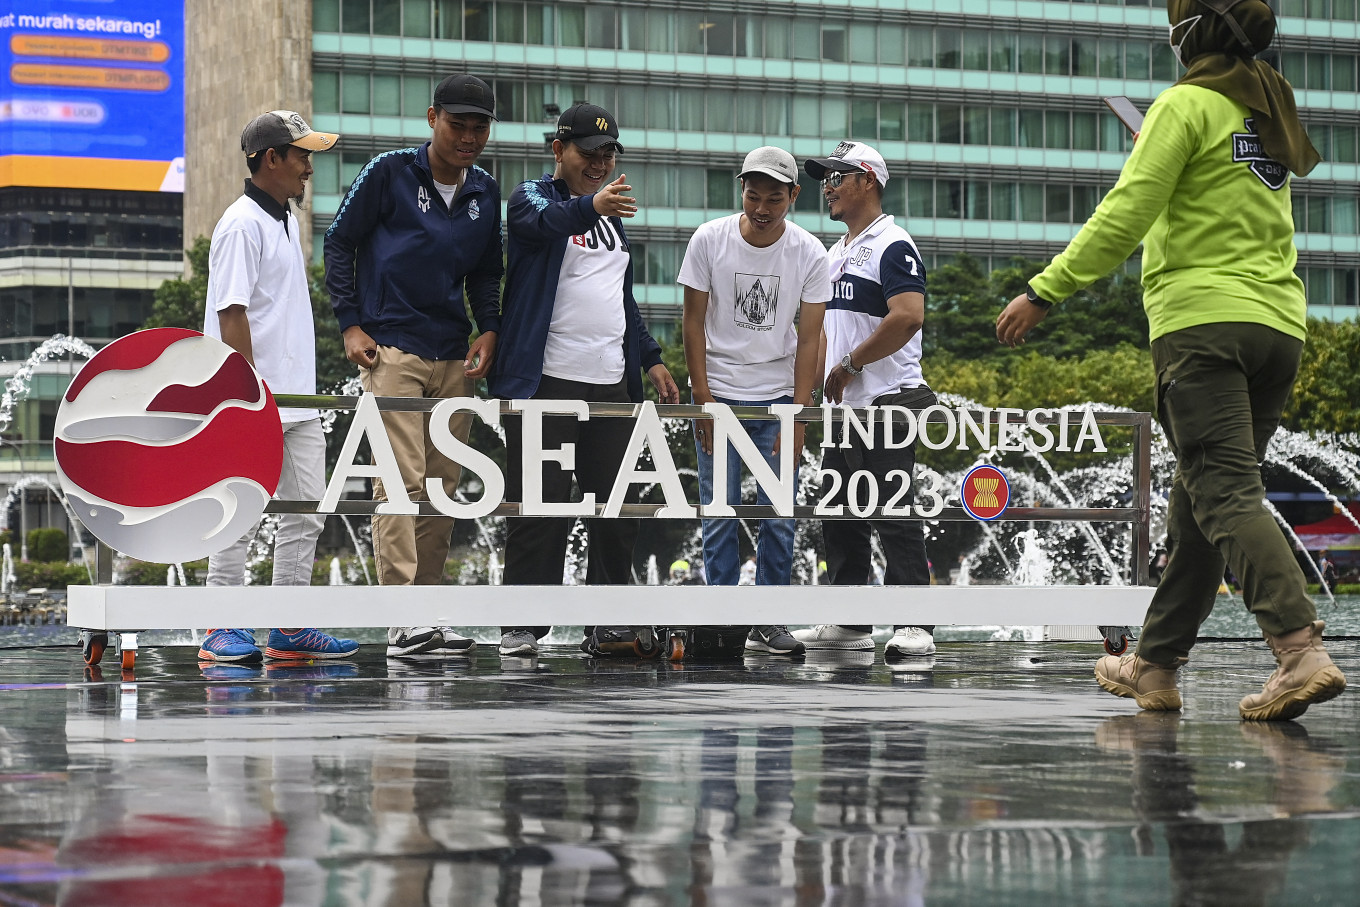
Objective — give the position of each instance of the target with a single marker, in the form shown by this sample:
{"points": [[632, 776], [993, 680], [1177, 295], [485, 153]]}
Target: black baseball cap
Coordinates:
{"points": [[589, 126], [465, 94]]}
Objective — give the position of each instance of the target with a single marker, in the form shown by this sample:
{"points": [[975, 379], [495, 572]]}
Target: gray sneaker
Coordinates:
{"points": [[405, 641], [519, 642], [831, 636], [776, 640], [454, 643]]}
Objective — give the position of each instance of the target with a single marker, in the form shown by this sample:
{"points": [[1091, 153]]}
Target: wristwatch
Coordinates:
{"points": [[1036, 299], [849, 366]]}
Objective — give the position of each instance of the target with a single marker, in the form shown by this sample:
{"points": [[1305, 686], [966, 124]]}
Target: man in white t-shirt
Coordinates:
{"points": [[873, 358], [259, 304], [746, 277]]}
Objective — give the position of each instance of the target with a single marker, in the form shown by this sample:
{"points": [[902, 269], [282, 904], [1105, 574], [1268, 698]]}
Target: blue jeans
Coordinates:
{"points": [[774, 540]]}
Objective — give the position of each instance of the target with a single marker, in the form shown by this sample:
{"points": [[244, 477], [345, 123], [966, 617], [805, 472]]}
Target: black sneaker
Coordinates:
{"points": [[605, 642], [776, 640]]}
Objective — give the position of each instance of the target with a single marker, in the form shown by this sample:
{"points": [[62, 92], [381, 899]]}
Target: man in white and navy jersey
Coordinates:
{"points": [[872, 334]]}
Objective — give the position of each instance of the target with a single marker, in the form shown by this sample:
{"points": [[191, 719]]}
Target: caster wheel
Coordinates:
{"points": [[642, 650], [1117, 646], [92, 646], [129, 659], [677, 648]]}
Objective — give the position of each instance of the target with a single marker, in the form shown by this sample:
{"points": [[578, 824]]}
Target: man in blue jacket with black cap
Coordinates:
{"points": [[572, 331], [419, 228]]}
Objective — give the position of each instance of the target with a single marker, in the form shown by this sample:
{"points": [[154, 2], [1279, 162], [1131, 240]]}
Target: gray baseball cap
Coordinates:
{"points": [[283, 127], [771, 161]]}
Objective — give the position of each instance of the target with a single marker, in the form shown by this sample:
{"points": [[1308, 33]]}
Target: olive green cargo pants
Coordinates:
{"points": [[1220, 391]]}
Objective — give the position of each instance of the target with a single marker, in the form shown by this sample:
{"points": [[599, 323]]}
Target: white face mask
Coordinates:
{"points": [[1171, 35]]}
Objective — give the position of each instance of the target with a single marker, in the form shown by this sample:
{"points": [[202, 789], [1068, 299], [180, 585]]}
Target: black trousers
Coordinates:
{"points": [[848, 542], [536, 547]]}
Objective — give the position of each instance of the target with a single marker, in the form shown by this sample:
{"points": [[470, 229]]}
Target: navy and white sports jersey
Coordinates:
{"points": [[880, 263]]}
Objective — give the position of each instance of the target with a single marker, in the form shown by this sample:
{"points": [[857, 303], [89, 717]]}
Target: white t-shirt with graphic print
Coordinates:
{"points": [[753, 296], [585, 336]]}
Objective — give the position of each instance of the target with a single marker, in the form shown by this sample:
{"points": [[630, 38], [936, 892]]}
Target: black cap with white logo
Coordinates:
{"points": [[465, 94], [589, 126]]}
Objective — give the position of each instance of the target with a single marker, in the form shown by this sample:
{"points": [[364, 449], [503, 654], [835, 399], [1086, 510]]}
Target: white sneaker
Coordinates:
{"points": [[831, 636], [910, 641], [454, 643], [402, 641]]}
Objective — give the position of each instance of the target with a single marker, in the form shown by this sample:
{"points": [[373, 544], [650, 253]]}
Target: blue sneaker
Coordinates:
{"points": [[230, 645], [308, 643]]}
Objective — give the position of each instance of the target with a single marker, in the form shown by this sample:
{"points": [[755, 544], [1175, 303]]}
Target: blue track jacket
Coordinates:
{"points": [[542, 216], [397, 257]]}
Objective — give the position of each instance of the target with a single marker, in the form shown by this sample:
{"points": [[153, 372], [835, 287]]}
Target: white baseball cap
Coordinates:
{"points": [[849, 157]]}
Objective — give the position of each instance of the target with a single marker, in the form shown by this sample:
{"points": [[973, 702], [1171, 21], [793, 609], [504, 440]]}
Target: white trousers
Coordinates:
{"points": [[303, 478]]}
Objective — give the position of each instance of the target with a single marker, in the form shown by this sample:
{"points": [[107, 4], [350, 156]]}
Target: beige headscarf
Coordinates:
{"points": [[1219, 49]]}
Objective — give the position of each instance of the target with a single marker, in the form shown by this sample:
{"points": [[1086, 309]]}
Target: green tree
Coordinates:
{"points": [[963, 304], [48, 545], [1327, 393], [179, 302]]}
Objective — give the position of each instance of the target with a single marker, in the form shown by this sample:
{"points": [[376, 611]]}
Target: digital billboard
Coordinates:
{"points": [[92, 94]]}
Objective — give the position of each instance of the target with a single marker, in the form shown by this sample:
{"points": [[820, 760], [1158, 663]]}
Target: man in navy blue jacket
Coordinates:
{"points": [[418, 229], [572, 331]]}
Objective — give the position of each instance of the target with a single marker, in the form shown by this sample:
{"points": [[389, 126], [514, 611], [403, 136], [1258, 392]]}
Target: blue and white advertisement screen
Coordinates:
{"points": [[92, 94]]}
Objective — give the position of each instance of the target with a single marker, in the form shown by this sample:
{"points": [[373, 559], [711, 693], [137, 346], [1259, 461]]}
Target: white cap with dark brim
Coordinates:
{"points": [[849, 157]]}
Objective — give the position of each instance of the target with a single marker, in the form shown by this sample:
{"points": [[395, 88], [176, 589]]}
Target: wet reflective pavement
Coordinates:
{"points": [[994, 773]]}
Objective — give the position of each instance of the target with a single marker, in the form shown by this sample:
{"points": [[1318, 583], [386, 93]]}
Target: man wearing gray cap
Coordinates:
{"points": [[746, 277], [259, 304], [417, 241]]}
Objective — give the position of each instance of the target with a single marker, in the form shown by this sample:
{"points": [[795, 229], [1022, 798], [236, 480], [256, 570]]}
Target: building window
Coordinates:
{"points": [[415, 18]]}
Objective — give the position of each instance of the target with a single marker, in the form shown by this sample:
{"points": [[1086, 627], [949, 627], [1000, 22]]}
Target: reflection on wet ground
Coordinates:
{"points": [[993, 773]]}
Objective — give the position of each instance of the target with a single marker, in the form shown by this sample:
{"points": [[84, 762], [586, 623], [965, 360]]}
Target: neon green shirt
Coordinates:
{"points": [[1213, 214]]}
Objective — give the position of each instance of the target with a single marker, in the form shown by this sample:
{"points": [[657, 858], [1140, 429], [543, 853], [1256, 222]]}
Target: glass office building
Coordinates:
{"points": [[988, 112]]}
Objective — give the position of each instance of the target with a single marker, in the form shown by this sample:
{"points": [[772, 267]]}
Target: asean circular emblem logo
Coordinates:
{"points": [[168, 445], [985, 492]]}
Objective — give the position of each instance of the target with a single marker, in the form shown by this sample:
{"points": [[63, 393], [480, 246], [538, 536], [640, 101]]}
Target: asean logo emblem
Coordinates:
{"points": [[168, 445], [985, 493]]}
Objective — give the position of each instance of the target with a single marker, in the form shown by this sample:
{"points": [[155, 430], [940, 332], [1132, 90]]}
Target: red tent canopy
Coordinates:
{"points": [[1337, 531]]}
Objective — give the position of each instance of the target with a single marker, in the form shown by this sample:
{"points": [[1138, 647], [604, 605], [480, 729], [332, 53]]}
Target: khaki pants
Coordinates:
{"points": [[1220, 391], [412, 550]]}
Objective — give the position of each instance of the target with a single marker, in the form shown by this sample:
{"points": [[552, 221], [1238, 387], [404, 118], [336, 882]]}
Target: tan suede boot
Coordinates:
{"points": [[1150, 685], [1305, 675]]}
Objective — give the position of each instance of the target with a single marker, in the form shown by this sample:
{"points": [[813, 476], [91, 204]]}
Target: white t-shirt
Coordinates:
{"points": [[256, 261], [879, 264], [585, 337], [446, 191], [753, 295]]}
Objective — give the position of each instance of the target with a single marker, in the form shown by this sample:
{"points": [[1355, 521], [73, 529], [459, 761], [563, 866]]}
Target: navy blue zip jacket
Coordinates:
{"points": [[541, 217], [412, 256]]}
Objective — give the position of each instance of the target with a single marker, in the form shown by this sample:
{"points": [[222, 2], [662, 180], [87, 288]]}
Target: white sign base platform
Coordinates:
{"points": [[132, 608]]}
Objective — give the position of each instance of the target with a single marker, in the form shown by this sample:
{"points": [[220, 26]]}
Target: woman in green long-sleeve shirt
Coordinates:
{"points": [[1206, 191]]}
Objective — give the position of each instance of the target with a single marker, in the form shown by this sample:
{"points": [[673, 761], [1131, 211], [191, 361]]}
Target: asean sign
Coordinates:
{"points": [[168, 445], [985, 493]]}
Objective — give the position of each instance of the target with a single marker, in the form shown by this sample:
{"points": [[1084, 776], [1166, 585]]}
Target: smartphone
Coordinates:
{"points": [[1127, 113]]}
